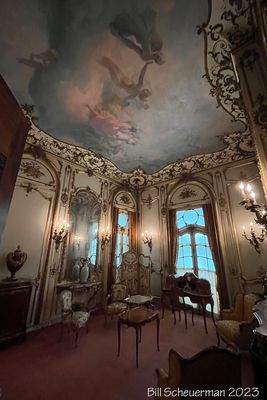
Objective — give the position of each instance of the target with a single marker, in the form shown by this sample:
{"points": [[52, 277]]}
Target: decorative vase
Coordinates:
{"points": [[14, 261], [76, 271], [84, 271]]}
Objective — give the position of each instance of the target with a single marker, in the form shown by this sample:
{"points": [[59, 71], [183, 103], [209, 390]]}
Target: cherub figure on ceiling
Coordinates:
{"points": [[123, 82], [138, 32]]}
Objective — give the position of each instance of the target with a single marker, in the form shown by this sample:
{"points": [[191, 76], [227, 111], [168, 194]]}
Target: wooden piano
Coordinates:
{"points": [[189, 285]]}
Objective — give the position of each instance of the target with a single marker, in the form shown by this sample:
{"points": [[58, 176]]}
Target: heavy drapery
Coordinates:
{"points": [[115, 213], [132, 230], [173, 242], [212, 236]]}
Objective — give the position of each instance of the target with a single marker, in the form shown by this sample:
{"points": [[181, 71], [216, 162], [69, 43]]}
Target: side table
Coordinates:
{"points": [[136, 318], [138, 300]]}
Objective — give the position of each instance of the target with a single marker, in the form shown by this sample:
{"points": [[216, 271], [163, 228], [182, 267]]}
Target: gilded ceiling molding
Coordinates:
{"points": [[238, 145], [231, 23]]}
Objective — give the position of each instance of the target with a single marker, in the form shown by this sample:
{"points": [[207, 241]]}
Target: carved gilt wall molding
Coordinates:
{"points": [[124, 200], [36, 171], [238, 146], [229, 26]]}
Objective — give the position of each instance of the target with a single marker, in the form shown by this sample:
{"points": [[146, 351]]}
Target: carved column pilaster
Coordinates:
{"points": [[164, 232], [106, 220], [227, 238]]}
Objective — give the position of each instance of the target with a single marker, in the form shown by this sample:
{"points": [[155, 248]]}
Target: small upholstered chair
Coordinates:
{"points": [[114, 301], [236, 325], [73, 320], [213, 368]]}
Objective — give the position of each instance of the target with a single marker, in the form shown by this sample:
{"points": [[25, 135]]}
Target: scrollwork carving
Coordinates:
{"points": [[31, 169], [64, 197], [238, 146], [187, 193], [260, 115], [236, 27]]}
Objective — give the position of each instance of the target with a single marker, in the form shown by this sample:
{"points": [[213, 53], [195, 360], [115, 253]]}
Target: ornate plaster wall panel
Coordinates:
{"points": [[124, 200], [35, 171], [188, 193], [251, 263]]}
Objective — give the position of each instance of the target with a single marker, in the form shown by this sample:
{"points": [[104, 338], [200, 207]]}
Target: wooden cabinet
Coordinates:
{"points": [[14, 305]]}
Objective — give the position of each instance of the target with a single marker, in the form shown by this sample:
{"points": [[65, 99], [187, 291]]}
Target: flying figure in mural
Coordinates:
{"points": [[123, 82], [43, 59], [103, 121], [138, 32]]}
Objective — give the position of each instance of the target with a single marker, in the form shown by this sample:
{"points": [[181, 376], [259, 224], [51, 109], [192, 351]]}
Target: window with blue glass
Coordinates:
{"points": [[93, 241], [193, 249], [122, 240]]}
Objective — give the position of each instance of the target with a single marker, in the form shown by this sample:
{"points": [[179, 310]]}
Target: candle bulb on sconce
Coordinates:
{"points": [[242, 187], [59, 236], [248, 188], [252, 238], [147, 239], [253, 196], [249, 202]]}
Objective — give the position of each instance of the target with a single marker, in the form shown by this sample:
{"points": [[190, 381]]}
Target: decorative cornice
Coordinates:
{"points": [[238, 146]]}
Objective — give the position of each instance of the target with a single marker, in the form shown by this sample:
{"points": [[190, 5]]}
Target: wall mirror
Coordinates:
{"points": [[84, 213]]}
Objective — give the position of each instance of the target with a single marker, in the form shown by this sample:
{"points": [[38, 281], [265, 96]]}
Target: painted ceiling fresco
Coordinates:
{"points": [[121, 77]]}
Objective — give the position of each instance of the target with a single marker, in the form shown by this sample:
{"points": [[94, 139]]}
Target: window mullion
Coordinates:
{"points": [[193, 246], [121, 250]]}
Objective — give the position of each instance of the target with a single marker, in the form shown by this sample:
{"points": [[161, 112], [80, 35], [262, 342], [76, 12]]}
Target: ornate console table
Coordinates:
{"points": [[86, 294], [259, 348]]}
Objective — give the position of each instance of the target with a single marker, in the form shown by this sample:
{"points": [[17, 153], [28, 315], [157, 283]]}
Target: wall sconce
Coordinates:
{"points": [[253, 239], [59, 237], [77, 241], [147, 239], [105, 237], [260, 211]]}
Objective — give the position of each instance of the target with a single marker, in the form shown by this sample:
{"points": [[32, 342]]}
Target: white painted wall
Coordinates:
{"points": [[38, 207]]}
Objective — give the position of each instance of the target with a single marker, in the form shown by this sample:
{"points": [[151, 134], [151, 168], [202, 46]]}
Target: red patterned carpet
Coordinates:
{"points": [[43, 368]]}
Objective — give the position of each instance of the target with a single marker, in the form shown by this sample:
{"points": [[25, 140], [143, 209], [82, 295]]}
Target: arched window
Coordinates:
{"points": [[93, 242], [193, 249], [122, 236]]}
